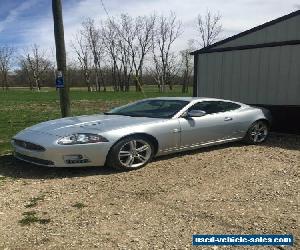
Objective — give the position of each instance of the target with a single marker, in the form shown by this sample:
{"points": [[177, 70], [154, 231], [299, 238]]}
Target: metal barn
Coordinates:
{"points": [[260, 66]]}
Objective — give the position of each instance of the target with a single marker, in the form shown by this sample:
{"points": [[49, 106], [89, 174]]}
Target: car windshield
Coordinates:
{"points": [[150, 108]]}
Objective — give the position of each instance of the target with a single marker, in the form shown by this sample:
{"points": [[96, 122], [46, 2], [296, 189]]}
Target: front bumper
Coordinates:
{"points": [[33, 160], [56, 155]]}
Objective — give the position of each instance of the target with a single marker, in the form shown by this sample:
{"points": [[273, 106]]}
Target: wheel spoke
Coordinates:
{"points": [[132, 145], [141, 149], [125, 153], [141, 157], [129, 161]]}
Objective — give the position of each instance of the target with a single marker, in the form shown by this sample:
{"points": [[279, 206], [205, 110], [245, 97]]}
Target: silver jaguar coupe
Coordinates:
{"points": [[128, 137]]}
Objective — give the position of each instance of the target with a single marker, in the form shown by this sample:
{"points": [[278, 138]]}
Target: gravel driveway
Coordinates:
{"points": [[226, 189]]}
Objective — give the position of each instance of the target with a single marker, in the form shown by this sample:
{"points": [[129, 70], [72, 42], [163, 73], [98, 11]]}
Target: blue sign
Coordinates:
{"points": [[59, 82], [243, 240]]}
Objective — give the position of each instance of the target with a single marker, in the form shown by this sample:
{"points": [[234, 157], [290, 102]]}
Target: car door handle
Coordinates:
{"points": [[176, 130], [227, 119]]}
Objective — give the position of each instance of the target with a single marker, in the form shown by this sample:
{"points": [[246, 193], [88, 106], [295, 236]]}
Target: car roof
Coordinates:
{"points": [[181, 98]]}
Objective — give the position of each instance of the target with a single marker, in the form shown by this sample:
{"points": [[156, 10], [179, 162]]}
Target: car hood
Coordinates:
{"points": [[88, 124]]}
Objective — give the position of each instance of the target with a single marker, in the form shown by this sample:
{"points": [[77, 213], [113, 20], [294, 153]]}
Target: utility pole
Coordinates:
{"points": [[61, 57]]}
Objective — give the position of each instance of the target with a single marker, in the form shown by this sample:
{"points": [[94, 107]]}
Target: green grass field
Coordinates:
{"points": [[21, 108]]}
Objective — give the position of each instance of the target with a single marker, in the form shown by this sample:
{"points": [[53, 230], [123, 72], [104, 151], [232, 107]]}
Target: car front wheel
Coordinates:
{"points": [[258, 132], [130, 153]]}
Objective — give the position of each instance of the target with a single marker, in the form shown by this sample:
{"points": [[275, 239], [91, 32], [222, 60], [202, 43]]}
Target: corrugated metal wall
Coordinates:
{"points": [[269, 76]]}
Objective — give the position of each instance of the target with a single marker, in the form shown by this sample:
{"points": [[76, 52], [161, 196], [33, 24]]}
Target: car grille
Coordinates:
{"points": [[33, 159], [28, 145]]}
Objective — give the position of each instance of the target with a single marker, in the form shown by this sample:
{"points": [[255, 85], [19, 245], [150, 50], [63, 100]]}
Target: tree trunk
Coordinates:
{"points": [[89, 86], [120, 81], [37, 84], [97, 80], [4, 81], [102, 80], [162, 84], [114, 77], [185, 83], [138, 87], [87, 81]]}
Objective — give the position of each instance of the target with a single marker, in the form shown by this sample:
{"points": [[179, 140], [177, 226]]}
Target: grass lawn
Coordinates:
{"points": [[21, 108]]}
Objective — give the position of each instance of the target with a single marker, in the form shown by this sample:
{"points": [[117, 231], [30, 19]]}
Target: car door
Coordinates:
{"points": [[219, 123]]}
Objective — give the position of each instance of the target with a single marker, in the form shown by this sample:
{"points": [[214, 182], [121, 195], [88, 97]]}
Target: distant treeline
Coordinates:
{"points": [[121, 52], [75, 78]]}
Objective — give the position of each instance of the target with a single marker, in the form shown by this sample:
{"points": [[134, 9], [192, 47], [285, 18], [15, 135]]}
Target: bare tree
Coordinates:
{"points": [[111, 38], [127, 34], [186, 71], [82, 51], [93, 36], [209, 28], [187, 66], [168, 29], [141, 45], [25, 69], [35, 64], [6, 55], [126, 65], [128, 40]]}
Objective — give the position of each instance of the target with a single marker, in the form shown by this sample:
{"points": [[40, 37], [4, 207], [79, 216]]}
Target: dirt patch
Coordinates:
{"points": [[227, 189]]}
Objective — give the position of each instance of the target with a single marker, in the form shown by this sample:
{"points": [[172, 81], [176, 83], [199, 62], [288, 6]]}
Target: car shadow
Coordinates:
{"points": [[13, 168], [284, 141]]}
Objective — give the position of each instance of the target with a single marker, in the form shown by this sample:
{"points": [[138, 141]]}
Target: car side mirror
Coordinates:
{"points": [[195, 113]]}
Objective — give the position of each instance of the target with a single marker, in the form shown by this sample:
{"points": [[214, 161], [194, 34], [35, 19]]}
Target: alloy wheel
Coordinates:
{"points": [[135, 153], [259, 132]]}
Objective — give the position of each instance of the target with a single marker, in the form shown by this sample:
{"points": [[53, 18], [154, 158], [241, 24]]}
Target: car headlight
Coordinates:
{"points": [[81, 138]]}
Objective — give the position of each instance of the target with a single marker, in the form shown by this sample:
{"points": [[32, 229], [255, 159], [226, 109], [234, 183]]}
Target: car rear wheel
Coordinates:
{"points": [[130, 153], [258, 132]]}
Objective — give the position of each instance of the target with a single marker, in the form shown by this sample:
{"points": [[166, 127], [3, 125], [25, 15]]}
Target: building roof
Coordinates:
{"points": [[244, 33]]}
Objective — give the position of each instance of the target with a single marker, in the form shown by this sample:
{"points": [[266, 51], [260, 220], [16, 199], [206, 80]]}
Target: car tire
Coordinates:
{"points": [[257, 133], [130, 153]]}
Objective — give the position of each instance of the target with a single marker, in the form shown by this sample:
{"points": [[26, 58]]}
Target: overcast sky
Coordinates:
{"points": [[25, 22]]}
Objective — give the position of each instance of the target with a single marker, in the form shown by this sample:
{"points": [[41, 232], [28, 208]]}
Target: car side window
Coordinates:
{"points": [[228, 106], [208, 106], [211, 107]]}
